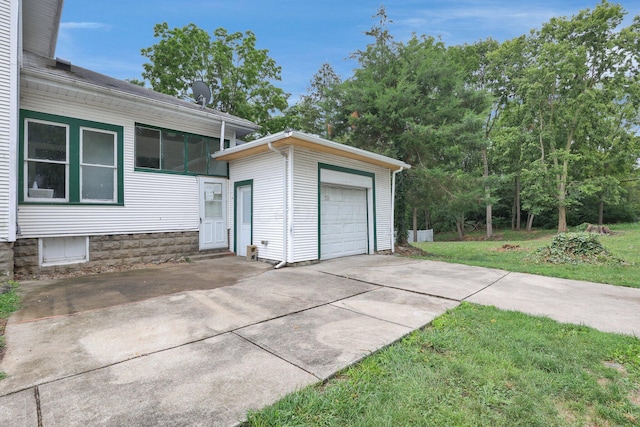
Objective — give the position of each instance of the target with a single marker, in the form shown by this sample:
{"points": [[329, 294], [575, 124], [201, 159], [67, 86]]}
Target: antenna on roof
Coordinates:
{"points": [[201, 93]]}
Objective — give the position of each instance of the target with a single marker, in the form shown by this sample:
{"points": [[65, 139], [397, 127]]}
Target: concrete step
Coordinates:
{"points": [[209, 255]]}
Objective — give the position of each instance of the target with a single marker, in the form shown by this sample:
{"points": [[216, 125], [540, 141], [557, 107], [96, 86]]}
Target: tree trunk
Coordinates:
{"points": [[487, 194], [415, 225], [562, 219], [427, 219], [518, 207], [460, 227], [601, 212], [562, 190], [530, 222]]}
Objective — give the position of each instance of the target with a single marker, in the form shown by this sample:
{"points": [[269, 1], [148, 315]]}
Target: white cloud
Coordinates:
{"points": [[84, 26], [468, 21]]}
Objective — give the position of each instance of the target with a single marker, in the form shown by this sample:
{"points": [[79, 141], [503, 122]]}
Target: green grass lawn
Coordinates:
{"points": [[479, 366], [625, 244]]}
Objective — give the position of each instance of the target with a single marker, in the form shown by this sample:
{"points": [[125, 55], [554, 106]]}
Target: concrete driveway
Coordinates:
{"points": [[179, 346]]}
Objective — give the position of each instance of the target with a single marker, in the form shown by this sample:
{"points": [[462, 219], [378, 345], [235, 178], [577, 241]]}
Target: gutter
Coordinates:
{"points": [[393, 208], [285, 206]]}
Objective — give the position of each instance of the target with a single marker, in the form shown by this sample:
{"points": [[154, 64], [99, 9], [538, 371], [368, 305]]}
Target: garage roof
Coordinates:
{"points": [[312, 142]]}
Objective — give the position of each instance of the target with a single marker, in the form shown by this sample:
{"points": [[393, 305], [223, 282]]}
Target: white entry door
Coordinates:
{"points": [[213, 218], [244, 218]]}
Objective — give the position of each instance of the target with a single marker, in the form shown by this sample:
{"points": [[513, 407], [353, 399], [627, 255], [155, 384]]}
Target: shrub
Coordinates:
{"points": [[575, 248]]}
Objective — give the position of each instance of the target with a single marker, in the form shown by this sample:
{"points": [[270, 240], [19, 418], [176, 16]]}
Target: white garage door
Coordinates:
{"points": [[343, 221]]}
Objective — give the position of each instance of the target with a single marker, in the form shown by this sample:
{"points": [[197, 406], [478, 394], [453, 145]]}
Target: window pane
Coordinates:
{"points": [[46, 180], [197, 154], [213, 209], [98, 148], [246, 207], [216, 168], [47, 141], [98, 183], [147, 148], [172, 151], [212, 200]]}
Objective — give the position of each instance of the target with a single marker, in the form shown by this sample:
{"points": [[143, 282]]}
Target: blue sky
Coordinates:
{"points": [[106, 36]]}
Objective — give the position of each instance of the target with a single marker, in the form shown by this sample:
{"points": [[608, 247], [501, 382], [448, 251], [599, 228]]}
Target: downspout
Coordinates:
{"points": [[222, 126], [393, 208], [285, 206]]}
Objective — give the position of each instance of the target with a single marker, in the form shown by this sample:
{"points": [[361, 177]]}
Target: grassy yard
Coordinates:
{"points": [[510, 254], [479, 366]]}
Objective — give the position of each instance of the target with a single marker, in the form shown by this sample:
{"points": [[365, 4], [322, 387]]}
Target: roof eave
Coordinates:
{"points": [[312, 142], [240, 124]]}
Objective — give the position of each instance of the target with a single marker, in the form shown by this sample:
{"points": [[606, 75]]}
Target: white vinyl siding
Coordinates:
{"points": [[267, 172], [8, 116], [153, 202]]}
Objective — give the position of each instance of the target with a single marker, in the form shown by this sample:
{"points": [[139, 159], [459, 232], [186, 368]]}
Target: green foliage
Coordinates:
{"points": [[9, 300], [627, 354], [572, 87], [319, 111], [575, 248], [240, 75], [477, 366]]}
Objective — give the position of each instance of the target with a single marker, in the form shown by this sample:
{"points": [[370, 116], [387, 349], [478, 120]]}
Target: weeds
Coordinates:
{"points": [[575, 248]]}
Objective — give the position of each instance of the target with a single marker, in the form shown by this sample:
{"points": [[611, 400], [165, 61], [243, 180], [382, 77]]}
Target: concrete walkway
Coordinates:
{"points": [[206, 354]]}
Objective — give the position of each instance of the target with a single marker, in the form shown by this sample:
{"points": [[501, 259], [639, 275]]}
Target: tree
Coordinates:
{"points": [[319, 111], [475, 63], [240, 75], [572, 76], [412, 101]]}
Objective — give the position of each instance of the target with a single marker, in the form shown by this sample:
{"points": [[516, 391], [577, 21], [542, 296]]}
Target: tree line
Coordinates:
{"points": [[541, 129]]}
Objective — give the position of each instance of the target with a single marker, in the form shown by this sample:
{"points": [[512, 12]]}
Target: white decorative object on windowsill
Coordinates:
{"points": [[41, 193]]}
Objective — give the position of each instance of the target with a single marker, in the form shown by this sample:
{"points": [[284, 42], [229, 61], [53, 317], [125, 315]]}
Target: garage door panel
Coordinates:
{"points": [[343, 222]]}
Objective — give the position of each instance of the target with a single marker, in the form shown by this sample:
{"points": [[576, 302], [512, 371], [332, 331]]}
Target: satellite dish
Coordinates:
{"points": [[201, 92]]}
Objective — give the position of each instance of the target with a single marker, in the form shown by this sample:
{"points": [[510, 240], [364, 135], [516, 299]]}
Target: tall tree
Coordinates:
{"points": [[411, 101], [319, 111], [240, 75], [574, 73], [474, 60]]}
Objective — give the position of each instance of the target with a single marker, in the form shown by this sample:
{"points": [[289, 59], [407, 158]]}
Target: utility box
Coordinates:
{"points": [[252, 253]]}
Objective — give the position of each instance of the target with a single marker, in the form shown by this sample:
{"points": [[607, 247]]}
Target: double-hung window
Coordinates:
{"points": [[47, 160], [98, 165], [66, 160]]}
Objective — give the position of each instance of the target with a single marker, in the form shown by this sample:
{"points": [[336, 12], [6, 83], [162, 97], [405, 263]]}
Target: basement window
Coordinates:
{"points": [[63, 250]]}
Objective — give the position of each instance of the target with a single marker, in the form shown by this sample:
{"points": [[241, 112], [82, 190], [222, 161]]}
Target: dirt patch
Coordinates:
{"points": [[598, 229], [507, 247], [409, 251]]}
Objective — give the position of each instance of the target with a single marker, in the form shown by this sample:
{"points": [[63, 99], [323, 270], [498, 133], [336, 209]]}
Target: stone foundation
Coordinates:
{"points": [[6, 261], [119, 249]]}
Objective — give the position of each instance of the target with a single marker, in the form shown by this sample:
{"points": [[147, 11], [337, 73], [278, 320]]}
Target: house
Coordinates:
{"points": [[95, 170]]}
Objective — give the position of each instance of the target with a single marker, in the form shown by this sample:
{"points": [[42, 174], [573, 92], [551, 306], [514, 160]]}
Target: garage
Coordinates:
{"points": [[343, 221]]}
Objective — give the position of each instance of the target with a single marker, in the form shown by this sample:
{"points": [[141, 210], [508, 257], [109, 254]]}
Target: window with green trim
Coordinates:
{"points": [[67, 160], [171, 151]]}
